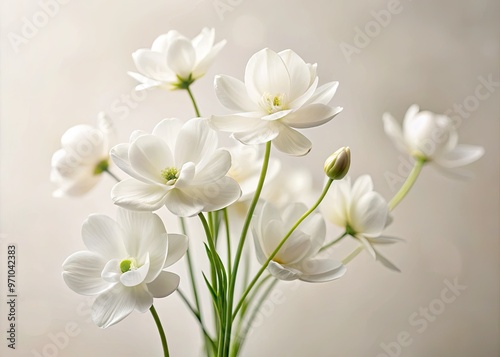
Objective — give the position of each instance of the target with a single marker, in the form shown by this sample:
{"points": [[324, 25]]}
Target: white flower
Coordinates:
{"points": [[77, 166], [280, 93], [297, 258], [178, 166], [430, 137], [362, 212], [124, 264], [174, 61]]}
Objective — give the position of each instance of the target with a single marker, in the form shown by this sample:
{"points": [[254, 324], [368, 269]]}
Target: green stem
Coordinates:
{"points": [[160, 330], [352, 255], [112, 175], [410, 180], [336, 240], [283, 241], [244, 231], [228, 239], [197, 111]]}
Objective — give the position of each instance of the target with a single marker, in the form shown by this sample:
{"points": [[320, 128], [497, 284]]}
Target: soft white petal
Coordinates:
{"points": [[336, 205], [295, 248], [235, 123], [292, 213], [182, 204], [215, 195], [368, 214], [135, 277], [324, 93], [84, 142], [146, 83], [264, 132], [321, 270], [460, 156], [181, 57], [111, 271], [153, 65], [232, 94], [186, 175], [165, 284], [393, 131], [214, 168], [257, 239], [149, 155], [266, 73], [298, 71], [119, 155], [315, 227], [196, 140], [203, 42], [305, 97], [82, 273], [143, 298], [361, 187], [135, 195], [291, 142], [202, 66], [311, 116], [177, 246], [161, 43], [366, 244], [168, 129], [103, 235], [277, 115], [282, 273], [113, 306], [386, 262], [273, 231], [385, 240]]}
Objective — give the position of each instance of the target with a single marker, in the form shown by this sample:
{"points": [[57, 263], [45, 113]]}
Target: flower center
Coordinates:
{"points": [[128, 264], [273, 103], [101, 167], [170, 174]]}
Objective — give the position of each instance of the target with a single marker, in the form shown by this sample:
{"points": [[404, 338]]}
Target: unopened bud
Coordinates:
{"points": [[337, 165]]}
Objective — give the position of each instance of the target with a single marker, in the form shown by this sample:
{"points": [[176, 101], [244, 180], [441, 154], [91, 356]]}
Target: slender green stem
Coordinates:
{"points": [[336, 240], [283, 241], [244, 231], [228, 242], [112, 175], [197, 315], [352, 255], [410, 180], [190, 268], [160, 330], [197, 111]]}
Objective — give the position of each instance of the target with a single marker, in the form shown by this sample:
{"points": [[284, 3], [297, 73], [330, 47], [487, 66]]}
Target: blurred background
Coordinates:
{"points": [[64, 61]]}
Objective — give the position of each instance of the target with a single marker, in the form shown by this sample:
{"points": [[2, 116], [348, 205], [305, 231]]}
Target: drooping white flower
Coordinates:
{"points": [[84, 156], [174, 61], [362, 212], [431, 137], [280, 93], [125, 264], [178, 166], [297, 258]]}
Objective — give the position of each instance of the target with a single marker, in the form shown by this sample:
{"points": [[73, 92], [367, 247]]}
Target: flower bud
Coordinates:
{"points": [[337, 165]]}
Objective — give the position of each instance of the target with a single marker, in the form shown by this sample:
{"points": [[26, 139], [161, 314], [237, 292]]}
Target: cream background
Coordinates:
{"points": [[431, 53]]}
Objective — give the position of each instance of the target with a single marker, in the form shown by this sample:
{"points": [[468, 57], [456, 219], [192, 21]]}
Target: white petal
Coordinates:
{"points": [[186, 175], [146, 83], [235, 123], [298, 71], [304, 99], [111, 271], [82, 273], [295, 248], [292, 142], [232, 94], [103, 235], [136, 276], [177, 246], [181, 57], [367, 245], [214, 168], [143, 298], [282, 273], [266, 73], [182, 204], [153, 65], [386, 262], [368, 214], [85, 143], [135, 195], [393, 131], [203, 42], [119, 154], [264, 132], [149, 155], [257, 240], [311, 116], [462, 155], [361, 187], [113, 306], [315, 227], [202, 66], [196, 140], [337, 203], [161, 43], [165, 284], [321, 270], [168, 129], [324, 94], [385, 240], [292, 213]]}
